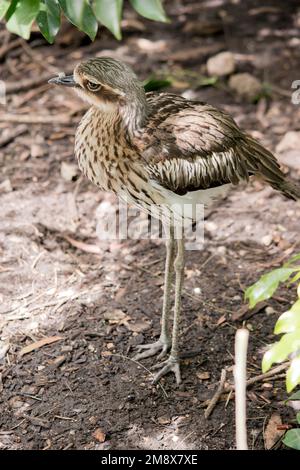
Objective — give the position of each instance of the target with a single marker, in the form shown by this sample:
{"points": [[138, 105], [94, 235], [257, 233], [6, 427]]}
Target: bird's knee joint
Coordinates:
{"points": [[170, 244], [179, 264]]}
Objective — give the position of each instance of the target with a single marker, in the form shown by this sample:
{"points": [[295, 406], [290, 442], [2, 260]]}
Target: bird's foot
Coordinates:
{"points": [[170, 365], [152, 349]]}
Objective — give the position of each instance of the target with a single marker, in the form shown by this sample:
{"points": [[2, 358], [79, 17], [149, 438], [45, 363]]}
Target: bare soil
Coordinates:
{"points": [[104, 298]]}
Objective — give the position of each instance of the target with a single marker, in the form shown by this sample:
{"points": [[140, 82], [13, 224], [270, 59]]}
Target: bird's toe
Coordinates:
{"points": [[148, 350], [170, 365]]}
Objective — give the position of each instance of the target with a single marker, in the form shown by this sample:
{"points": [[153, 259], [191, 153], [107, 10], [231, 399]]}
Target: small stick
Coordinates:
{"points": [[217, 395], [259, 378], [6, 139], [27, 83], [36, 119], [9, 46], [241, 346]]}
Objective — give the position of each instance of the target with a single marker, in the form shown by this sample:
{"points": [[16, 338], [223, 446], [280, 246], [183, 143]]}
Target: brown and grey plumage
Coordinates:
{"points": [[159, 150]]}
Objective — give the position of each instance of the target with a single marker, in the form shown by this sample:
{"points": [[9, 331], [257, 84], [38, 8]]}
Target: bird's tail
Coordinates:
{"points": [[262, 162]]}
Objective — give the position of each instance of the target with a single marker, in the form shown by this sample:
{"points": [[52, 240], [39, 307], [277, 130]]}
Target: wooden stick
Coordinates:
{"points": [[36, 119], [259, 378], [217, 395], [12, 135], [27, 83], [241, 346], [9, 46]]}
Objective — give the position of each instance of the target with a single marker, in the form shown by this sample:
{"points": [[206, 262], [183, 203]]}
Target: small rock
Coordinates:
{"points": [[245, 85], [221, 64], [288, 150], [5, 186], [267, 240], [37, 151], [198, 290], [68, 171], [290, 141], [269, 310], [237, 298]]}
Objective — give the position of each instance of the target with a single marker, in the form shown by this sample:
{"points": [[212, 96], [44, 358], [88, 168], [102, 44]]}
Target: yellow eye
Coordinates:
{"points": [[93, 86]]}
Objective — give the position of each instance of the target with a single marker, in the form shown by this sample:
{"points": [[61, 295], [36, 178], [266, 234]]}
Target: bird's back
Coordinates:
{"points": [[190, 146]]}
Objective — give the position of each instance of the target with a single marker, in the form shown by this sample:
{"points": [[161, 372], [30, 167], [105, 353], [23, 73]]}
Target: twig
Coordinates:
{"points": [[216, 396], [9, 46], [27, 83], [6, 139], [32, 94], [36, 119], [259, 378], [240, 372]]}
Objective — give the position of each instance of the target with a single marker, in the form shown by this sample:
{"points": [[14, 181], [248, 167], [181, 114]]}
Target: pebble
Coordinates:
{"points": [[221, 64], [245, 85], [269, 310]]}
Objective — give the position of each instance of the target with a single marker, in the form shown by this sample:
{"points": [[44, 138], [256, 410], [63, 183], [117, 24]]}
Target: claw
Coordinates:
{"points": [[170, 365], [152, 349]]}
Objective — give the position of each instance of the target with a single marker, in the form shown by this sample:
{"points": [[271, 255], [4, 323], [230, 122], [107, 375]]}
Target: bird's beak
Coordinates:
{"points": [[66, 80]]}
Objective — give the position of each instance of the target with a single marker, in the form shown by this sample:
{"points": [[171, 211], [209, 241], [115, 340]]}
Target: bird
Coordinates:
{"points": [[161, 151]]}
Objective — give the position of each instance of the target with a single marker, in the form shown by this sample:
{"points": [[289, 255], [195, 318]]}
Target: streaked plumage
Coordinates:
{"points": [[159, 149]]}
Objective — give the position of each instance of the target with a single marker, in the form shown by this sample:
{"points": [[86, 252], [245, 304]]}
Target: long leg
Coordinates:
{"points": [[172, 363], [164, 342]]}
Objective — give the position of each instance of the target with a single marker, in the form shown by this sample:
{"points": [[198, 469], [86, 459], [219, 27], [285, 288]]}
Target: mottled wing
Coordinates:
{"points": [[188, 146]]}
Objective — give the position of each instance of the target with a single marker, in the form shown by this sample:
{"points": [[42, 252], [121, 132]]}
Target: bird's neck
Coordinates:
{"points": [[134, 115]]}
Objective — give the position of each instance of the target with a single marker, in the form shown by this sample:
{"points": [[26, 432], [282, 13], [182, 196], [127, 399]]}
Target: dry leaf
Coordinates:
{"points": [[163, 420], [39, 344], [221, 320], [99, 435], [244, 310], [272, 433], [138, 326], [87, 247], [116, 316]]}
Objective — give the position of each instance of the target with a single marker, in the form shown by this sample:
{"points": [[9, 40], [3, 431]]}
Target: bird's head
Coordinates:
{"points": [[106, 83]]}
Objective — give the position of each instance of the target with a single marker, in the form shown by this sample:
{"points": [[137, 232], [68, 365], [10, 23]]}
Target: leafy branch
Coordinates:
{"points": [[86, 15], [288, 325]]}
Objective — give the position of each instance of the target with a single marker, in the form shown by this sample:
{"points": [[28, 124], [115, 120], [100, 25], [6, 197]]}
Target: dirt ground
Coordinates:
{"points": [[99, 299]]}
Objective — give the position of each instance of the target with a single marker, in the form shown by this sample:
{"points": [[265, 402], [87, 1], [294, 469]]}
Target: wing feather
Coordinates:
{"points": [[189, 145]]}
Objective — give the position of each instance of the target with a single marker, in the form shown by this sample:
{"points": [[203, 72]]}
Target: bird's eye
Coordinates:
{"points": [[93, 86]]}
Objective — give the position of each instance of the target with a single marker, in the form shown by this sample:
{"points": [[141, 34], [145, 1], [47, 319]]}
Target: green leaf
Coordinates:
{"points": [[295, 278], [11, 9], [289, 321], [292, 260], [153, 84], [4, 5], [294, 397], [48, 19], [289, 343], [81, 15], [298, 417], [21, 20], [151, 9], [292, 439], [293, 374], [267, 285], [109, 13]]}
